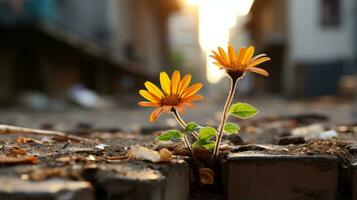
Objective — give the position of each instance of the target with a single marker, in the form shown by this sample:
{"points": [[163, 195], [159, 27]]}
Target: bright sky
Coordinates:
{"points": [[216, 18]]}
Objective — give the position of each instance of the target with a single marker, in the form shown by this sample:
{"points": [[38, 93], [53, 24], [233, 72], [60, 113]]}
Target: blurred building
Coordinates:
{"points": [[111, 46], [312, 43], [186, 52]]}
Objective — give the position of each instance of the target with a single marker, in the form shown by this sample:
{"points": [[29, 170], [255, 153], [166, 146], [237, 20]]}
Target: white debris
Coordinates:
{"points": [[328, 134], [308, 132], [101, 146], [91, 158], [314, 131], [143, 153]]}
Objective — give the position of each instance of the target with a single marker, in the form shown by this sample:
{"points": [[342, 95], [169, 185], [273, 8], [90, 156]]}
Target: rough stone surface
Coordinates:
{"points": [[255, 176], [177, 179], [128, 182], [13, 188]]}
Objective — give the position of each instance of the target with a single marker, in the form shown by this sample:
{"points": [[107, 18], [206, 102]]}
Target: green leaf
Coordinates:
{"points": [[231, 128], [206, 133], [169, 135], [207, 144], [243, 110], [191, 127]]}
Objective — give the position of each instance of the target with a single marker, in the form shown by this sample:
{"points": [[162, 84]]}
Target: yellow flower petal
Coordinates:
{"points": [[156, 114], [175, 81], [241, 54], [185, 82], [147, 95], [215, 55], [231, 54], [217, 60], [152, 88], [259, 61], [193, 98], [188, 105], [248, 55], [223, 56], [165, 82], [257, 70], [180, 108], [193, 89], [219, 65], [148, 104]]}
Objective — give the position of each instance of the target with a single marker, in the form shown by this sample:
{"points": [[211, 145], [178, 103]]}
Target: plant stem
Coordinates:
{"points": [[183, 124], [224, 115]]}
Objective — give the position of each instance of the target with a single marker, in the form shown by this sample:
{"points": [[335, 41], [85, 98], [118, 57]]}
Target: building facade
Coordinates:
{"points": [[311, 42]]}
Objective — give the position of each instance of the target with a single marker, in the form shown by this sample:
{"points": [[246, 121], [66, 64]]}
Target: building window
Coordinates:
{"points": [[330, 13]]}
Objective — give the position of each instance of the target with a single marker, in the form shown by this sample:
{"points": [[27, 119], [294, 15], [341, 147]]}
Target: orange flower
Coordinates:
{"points": [[176, 94], [240, 62]]}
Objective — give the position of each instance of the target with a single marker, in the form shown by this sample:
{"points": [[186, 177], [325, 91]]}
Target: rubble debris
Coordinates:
{"points": [[16, 151], [25, 140], [328, 135], [143, 153], [6, 160], [101, 146]]}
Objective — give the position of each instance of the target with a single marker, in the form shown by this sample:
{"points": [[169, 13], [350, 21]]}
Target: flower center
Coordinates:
{"points": [[170, 100]]}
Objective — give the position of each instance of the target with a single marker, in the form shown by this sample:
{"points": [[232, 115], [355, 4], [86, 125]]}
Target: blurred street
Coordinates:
{"points": [[134, 118]]}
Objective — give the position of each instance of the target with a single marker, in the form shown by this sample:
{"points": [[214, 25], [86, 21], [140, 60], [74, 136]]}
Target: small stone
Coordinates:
{"points": [[206, 176], [291, 140], [143, 153], [342, 129], [66, 159], [165, 155], [24, 177]]}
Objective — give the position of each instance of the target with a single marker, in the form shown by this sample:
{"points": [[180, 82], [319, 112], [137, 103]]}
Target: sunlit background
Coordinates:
{"points": [[76, 58]]}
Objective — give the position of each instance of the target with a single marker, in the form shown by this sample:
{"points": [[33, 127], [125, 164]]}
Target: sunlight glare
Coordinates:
{"points": [[216, 18], [192, 2]]}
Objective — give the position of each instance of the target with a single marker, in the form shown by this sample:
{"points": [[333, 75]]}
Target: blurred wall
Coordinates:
{"points": [[315, 47], [312, 44], [311, 41], [110, 46]]}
